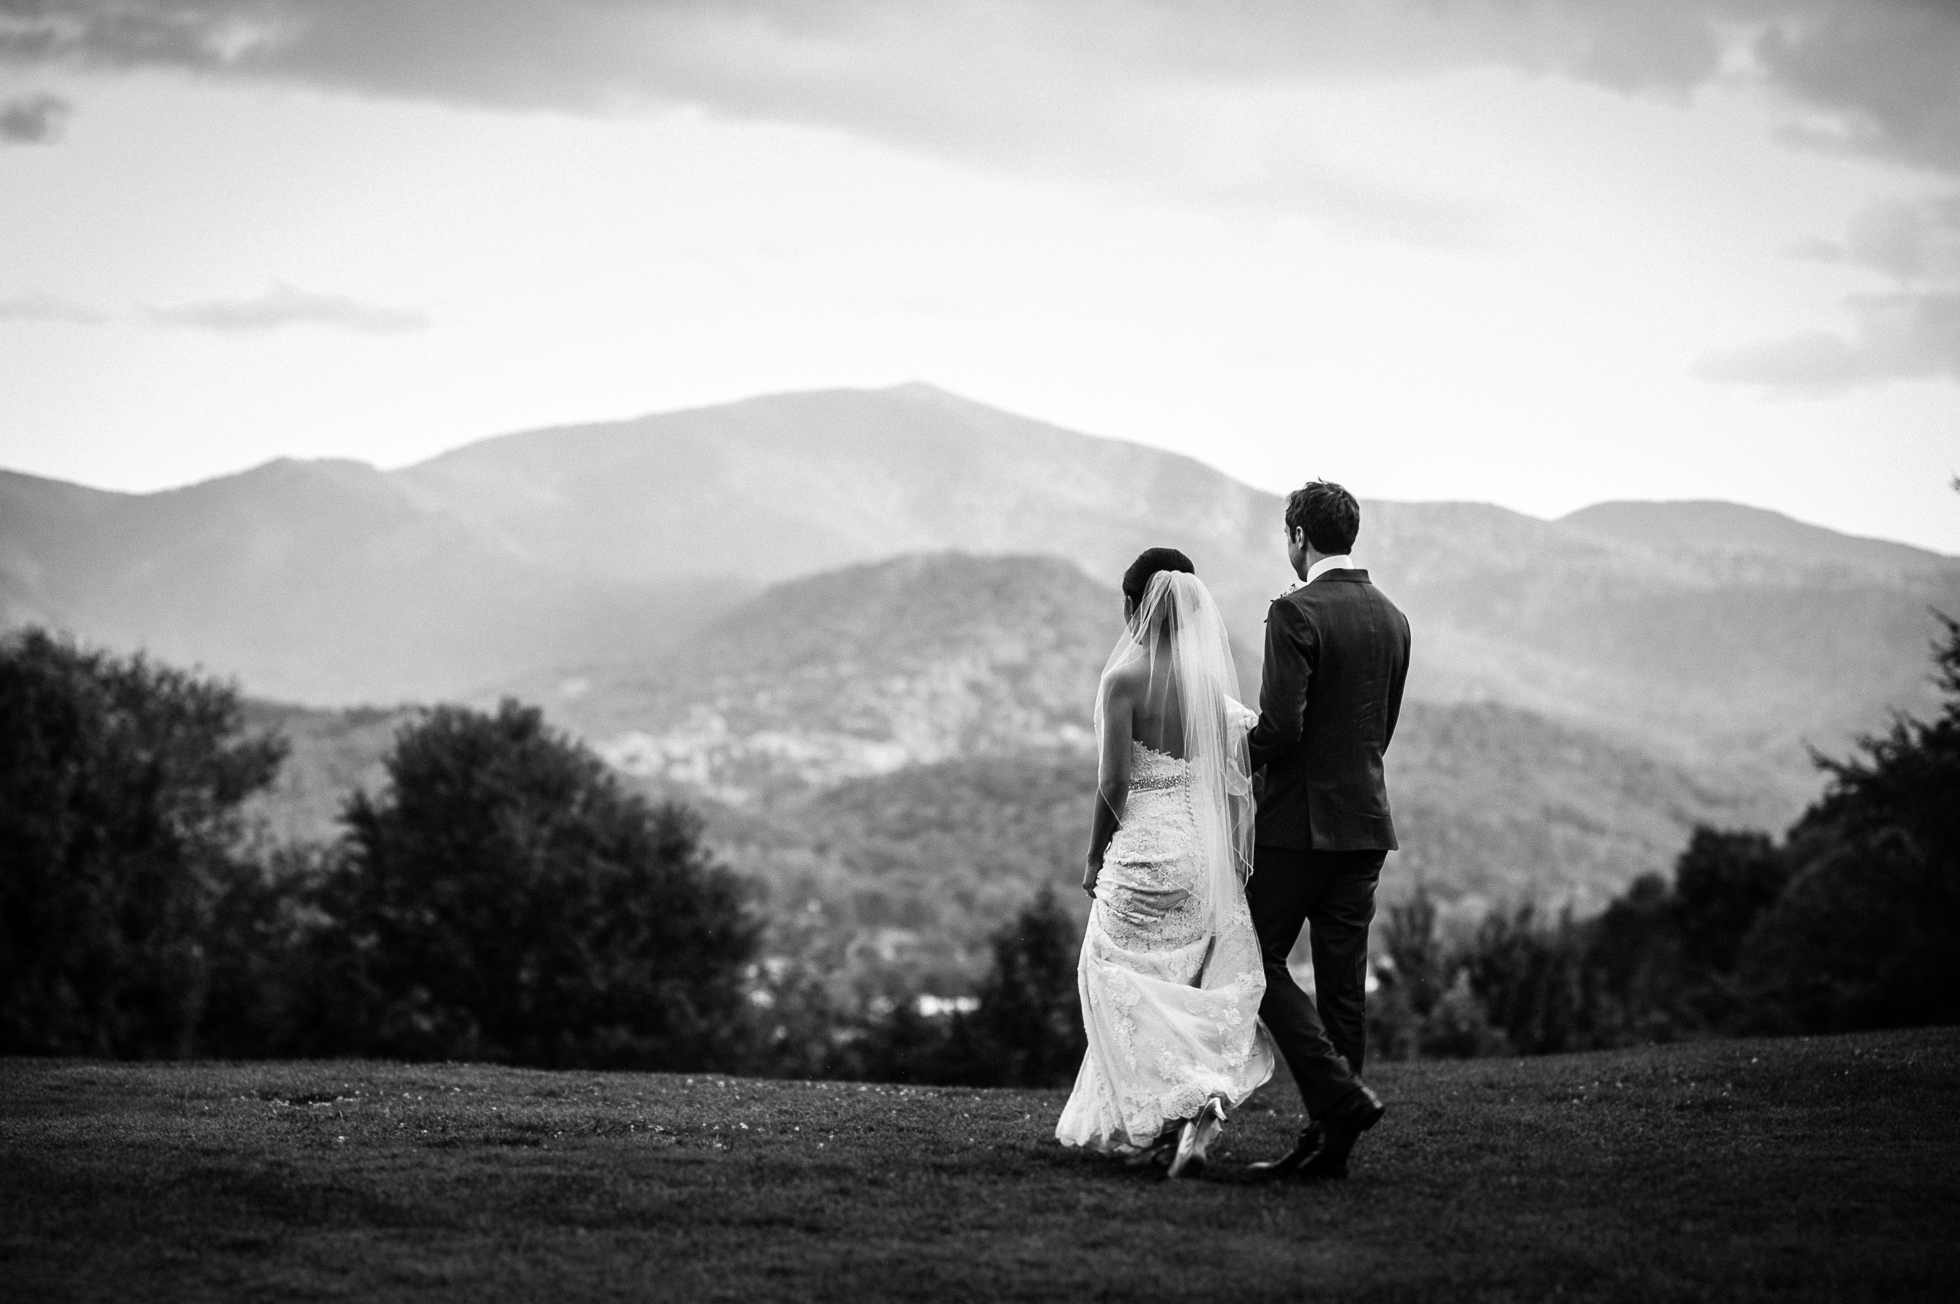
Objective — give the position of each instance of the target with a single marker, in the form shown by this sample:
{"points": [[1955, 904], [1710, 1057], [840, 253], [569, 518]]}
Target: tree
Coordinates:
{"points": [[121, 787], [1723, 883], [1660, 961], [270, 992], [1423, 1003], [1635, 957], [1415, 953], [1026, 1031], [1030, 1015], [1457, 1027], [1863, 935], [506, 898], [1530, 979]]}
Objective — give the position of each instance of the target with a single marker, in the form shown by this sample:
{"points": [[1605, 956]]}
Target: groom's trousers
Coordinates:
{"points": [[1323, 1038]]}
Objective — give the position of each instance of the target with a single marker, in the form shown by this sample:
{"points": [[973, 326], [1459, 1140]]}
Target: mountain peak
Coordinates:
{"points": [[923, 389]]}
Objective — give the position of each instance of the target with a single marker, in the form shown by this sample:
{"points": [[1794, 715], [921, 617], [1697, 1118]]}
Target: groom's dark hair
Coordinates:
{"points": [[1329, 515], [1148, 563]]}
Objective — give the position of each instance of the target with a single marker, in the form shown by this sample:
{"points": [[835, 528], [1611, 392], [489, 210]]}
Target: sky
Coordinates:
{"points": [[1542, 253]]}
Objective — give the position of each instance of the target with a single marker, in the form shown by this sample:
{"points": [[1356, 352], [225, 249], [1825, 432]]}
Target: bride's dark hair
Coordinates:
{"points": [[1148, 563]]}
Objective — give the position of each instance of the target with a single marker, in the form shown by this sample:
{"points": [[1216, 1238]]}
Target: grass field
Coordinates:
{"points": [[1799, 1169]]}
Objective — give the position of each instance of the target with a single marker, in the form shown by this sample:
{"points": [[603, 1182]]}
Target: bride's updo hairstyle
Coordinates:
{"points": [[1148, 563]]}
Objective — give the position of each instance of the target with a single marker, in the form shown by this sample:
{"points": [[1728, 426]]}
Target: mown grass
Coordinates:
{"points": [[1799, 1169]]}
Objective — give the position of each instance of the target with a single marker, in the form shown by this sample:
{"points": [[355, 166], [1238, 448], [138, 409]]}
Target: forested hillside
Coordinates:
{"points": [[898, 754], [808, 614]]}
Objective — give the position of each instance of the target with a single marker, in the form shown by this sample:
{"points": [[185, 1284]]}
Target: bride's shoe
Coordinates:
{"points": [[1158, 1152], [1195, 1136]]}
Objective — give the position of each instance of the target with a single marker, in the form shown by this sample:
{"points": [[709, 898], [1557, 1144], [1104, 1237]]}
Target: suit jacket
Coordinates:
{"points": [[1337, 653]]}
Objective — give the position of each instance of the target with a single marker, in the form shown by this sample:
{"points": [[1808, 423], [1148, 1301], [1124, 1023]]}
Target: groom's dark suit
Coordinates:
{"points": [[1337, 653]]}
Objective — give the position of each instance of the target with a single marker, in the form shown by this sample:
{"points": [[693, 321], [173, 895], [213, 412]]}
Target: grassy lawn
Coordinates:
{"points": [[1804, 1169]]}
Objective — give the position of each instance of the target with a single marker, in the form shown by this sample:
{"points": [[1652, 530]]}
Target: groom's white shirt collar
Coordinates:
{"points": [[1339, 562]]}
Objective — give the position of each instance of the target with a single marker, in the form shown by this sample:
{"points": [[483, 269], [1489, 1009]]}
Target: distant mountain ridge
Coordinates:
{"points": [[1709, 633], [790, 484], [325, 582], [1705, 527]]}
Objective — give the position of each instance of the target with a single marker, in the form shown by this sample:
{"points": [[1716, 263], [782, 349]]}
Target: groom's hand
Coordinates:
{"points": [[1092, 869]]}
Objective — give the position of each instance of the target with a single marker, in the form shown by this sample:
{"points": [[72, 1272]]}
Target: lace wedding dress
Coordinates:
{"points": [[1170, 974]]}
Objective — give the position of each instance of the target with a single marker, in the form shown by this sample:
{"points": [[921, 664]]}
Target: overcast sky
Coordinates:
{"points": [[1535, 252]]}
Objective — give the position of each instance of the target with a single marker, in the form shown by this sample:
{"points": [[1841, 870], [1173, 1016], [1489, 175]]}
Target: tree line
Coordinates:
{"points": [[505, 897], [1845, 923]]}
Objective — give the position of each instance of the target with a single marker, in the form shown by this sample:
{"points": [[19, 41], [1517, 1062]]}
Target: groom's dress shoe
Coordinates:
{"points": [[1343, 1125], [1290, 1163], [1323, 1148]]}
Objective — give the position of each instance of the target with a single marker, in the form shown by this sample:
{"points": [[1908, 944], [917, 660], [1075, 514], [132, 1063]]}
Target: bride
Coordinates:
{"points": [[1170, 973]]}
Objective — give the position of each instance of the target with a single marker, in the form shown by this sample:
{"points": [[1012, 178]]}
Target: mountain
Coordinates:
{"points": [[1705, 532], [859, 671], [1705, 634], [326, 582], [1494, 807], [901, 752], [792, 484]]}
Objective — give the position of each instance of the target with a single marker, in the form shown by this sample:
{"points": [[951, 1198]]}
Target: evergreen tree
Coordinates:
{"points": [[1722, 884], [1530, 979], [1863, 936], [1030, 1017]]}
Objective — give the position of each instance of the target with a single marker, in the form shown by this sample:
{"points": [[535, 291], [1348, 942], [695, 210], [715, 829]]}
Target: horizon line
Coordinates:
{"points": [[942, 391]]}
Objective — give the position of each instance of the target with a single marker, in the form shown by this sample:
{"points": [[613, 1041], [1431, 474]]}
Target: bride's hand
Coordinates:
{"points": [[1092, 869]]}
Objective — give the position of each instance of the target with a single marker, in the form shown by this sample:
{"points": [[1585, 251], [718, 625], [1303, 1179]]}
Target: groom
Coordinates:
{"points": [[1337, 652]]}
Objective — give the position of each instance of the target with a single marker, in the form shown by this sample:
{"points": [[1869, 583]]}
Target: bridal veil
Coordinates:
{"points": [[1170, 972]]}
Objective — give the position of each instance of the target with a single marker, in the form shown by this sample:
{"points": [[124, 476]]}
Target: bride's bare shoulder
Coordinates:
{"points": [[1125, 682]]}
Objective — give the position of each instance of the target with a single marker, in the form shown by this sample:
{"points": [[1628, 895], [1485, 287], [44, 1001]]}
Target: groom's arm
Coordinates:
{"points": [[1395, 682], [1282, 685]]}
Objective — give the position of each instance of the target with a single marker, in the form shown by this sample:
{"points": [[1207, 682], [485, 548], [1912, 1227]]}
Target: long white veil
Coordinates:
{"points": [[1176, 644], [1170, 986]]}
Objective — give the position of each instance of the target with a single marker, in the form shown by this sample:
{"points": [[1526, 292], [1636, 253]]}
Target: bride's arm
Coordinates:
{"points": [[1239, 718], [1113, 777]]}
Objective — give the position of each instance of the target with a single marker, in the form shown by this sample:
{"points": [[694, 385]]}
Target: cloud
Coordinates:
{"points": [[1884, 76], [282, 305], [1911, 333], [901, 68], [35, 305], [1907, 240], [1903, 336], [1084, 88], [33, 119], [1143, 95], [1124, 93]]}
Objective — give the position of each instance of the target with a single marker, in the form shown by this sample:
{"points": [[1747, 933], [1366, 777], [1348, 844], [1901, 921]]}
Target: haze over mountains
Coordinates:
{"points": [[1583, 689], [901, 747], [1708, 626], [879, 676]]}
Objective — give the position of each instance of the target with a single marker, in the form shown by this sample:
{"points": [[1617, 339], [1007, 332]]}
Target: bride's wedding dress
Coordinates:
{"points": [[1170, 973]]}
